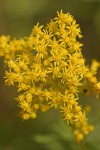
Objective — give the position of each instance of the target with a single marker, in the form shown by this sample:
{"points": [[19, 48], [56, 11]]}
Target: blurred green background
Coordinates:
{"points": [[48, 131]]}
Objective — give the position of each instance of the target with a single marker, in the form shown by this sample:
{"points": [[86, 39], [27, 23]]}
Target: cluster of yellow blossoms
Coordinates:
{"points": [[49, 70]]}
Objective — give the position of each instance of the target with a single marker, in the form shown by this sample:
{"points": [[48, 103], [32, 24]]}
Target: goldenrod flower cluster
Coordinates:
{"points": [[48, 69]]}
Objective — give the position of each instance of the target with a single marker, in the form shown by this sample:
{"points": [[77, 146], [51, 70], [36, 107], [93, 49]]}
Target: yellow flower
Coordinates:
{"points": [[49, 71]]}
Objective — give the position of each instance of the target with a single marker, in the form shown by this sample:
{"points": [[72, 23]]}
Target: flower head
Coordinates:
{"points": [[48, 68]]}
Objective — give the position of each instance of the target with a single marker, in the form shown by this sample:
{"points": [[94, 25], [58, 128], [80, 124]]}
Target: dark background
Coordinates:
{"points": [[48, 131]]}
